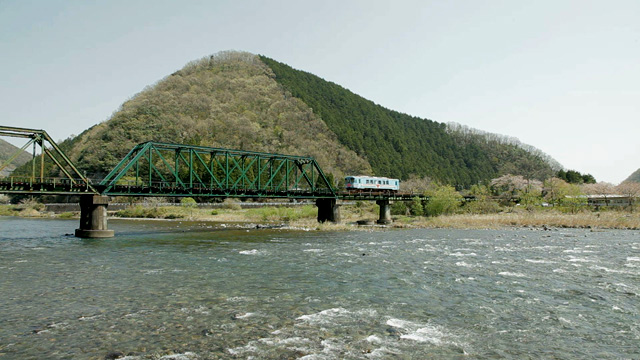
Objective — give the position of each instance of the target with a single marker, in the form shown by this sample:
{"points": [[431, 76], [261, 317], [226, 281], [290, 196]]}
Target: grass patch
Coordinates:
{"points": [[283, 213], [67, 215], [8, 210], [139, 211]]}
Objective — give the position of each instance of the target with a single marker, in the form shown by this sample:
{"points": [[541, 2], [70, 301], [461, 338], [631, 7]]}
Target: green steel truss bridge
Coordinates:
{"points": [[174, 170], [158, 169]]}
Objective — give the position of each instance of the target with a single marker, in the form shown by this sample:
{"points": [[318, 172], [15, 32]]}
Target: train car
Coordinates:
{"points": [[367, 183]]}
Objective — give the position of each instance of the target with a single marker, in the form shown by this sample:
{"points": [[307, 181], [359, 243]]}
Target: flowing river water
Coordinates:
{"points": [[178, 290]]}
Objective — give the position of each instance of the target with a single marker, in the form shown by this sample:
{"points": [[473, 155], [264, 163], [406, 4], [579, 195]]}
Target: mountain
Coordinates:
{"points": [[6, 151], [245, 101], [635, 177]]}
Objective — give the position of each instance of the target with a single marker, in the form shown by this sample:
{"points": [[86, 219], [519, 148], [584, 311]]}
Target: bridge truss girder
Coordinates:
{"points": [[160, 169], [70, 181]]}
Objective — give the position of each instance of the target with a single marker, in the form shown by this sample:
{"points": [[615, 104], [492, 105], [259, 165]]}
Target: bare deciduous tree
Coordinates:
{"points": [[631, 190]]}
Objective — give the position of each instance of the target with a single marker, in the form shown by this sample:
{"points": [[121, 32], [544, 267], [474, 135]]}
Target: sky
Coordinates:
{"points": [[563, 76]]}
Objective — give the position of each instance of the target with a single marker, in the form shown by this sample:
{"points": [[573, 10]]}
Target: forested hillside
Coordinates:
{"points": [[227, 100], [399, 145], [635, 177], [243, 101], [6, 151]]}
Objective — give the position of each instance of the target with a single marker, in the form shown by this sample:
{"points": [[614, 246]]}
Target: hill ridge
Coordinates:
{"points": [[251, 102]]}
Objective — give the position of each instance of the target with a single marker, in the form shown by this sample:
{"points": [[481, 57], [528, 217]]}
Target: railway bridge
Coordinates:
{"points": [[178, 170]]}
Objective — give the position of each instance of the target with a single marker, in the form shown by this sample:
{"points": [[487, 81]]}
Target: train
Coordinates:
{"points": [[368, 183]]}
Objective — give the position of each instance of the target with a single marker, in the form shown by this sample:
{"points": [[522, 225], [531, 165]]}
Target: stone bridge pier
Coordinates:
{"points": [[385, 211], [93, 217], [328, 210]]}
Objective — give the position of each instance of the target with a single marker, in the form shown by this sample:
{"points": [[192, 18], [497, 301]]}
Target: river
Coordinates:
{"points": [[179, 290]]}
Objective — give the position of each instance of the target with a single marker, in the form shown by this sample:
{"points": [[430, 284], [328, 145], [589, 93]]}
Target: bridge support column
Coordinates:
{"points": [[328, 210], [385, 212], [93, 217]]}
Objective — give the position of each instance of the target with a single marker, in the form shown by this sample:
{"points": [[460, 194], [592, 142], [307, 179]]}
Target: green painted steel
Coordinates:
{"points": [[160, 169], [70, 181]]}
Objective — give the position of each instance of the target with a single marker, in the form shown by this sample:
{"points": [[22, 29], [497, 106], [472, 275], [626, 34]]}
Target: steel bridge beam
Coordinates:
{"points": [[161, 169]]}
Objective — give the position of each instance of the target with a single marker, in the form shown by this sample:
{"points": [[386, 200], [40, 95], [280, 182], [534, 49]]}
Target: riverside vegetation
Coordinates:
{"points": [[490, 208]]}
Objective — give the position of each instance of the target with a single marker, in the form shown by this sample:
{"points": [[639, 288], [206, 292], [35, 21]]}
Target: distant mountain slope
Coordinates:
{"points": [[226, 100], [6, 151], [400, 145], [635, 177], [240, 100]]}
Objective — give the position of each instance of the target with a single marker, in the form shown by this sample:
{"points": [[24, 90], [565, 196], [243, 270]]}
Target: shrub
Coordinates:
{"points": [[444, 200], [231, 204], [188, 202], [482, 205], [399, 208], [30, 204], [415, 207], [141, 212]]}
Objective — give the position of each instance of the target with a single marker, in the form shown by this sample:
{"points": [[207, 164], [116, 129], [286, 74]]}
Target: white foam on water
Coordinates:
{"points": [[184, 356], [297, 340], [633, 258], [508, 273], [578, 251], [152, 272], [334, 315], [313, 250], [596, 267], [464, 264], [424, 333], [427, 248], [462, 254], [559, 271], [251, 252], [580, 260], [565, 320], [324, 315], [382, 353], [244, 316], [242, 349], [199, 310], [314, 357], [237, 299], [88, 318], [536, 261], [374, 339]]}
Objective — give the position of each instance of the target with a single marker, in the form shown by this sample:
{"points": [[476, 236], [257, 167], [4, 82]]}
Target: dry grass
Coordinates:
{"points": [[599, 220], [305, 218]]}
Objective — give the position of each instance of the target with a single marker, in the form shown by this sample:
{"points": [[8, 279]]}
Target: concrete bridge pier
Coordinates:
{"points": [[385, 211], [328, 210], [93, 217]]}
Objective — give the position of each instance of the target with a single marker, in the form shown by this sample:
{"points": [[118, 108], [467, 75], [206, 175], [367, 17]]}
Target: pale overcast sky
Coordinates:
{"points": [[563, 76]]}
